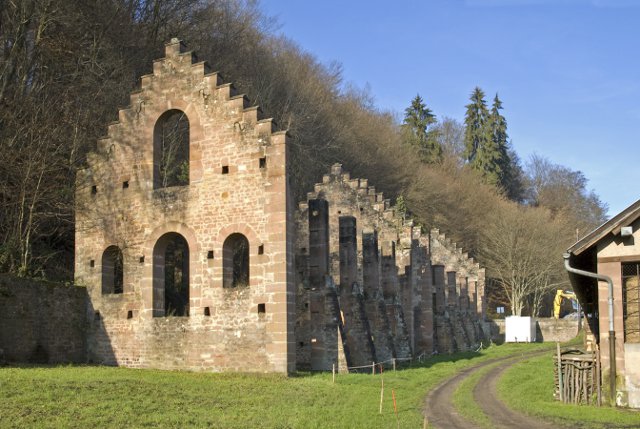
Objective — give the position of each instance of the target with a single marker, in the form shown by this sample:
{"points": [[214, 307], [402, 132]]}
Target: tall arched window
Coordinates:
{"points": [[112, 271], [171, 150], [235, 253], [171, 276]]}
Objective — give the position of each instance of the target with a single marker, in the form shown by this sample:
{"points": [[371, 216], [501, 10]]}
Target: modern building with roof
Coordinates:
{"points": [[604, 269]]}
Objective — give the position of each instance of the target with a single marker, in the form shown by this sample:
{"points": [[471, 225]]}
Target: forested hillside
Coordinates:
{"points": [[66, 67]]}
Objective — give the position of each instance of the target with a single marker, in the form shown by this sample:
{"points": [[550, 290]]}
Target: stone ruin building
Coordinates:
{"points": [[195, 256]]}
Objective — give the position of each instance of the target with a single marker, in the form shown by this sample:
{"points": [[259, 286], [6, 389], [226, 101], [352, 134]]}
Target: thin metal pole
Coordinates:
{"points": [[560, 384]]}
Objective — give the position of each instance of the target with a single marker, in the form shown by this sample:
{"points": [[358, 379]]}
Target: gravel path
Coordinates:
{"points": [[486, 396], [441, 413]]}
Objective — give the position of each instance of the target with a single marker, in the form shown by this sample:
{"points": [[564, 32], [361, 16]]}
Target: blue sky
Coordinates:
{"points": [[567, 71]]}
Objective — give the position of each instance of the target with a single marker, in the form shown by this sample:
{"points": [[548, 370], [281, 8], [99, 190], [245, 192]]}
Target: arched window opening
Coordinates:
{"points": [[235, 261], [112, 271], [171, 150], [171, 276]]}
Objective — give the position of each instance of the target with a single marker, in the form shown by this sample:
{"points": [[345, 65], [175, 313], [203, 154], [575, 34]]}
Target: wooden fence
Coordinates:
{"points": [[578, 382]]}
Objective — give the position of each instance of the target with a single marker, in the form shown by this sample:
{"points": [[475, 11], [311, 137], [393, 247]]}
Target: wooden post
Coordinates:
{"points": [[597, 375], [395, 406], [394, 364], [373, 368], [560, 386], [381, 394], [333, 372]]}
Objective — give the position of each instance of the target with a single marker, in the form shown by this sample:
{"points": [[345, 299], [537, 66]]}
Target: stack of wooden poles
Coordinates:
{"points": [[578, 381]]}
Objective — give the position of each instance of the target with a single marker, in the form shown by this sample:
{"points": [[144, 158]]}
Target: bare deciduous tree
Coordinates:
{"points": [[521, 248]]}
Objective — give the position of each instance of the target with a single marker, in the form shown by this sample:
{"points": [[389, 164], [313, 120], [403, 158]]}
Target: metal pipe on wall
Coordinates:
{"points": [[612, 332]]}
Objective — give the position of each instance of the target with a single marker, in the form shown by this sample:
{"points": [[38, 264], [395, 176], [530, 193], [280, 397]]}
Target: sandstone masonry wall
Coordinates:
{"points": [[42, 323], [392, 303], [237, 184]]}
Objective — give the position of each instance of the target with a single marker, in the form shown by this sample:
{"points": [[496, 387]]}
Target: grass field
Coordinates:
{"points": [[90, 396], [528, 387]]}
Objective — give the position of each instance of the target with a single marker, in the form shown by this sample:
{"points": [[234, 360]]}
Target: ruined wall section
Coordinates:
{"points": [[377, 229], [303, 326], [41, 322], [471, 276], [422, 294], [463, 293], [352, 306], [318, 314], [375, 305], [237, 184], [416, 292], [391, 292]]}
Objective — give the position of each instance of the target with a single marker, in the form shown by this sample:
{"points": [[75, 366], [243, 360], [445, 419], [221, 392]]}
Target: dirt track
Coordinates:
{"points": [[442, 414]]}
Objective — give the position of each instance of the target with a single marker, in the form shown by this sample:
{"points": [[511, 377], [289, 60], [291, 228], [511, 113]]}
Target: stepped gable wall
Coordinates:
{"points": [[236, 197]]}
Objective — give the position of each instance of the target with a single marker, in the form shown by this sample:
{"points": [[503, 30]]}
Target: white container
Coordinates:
{"points": [[519, 329]]}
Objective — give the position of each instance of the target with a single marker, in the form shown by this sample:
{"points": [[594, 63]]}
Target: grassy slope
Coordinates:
{"points": [[528, 387], [89, 396]]}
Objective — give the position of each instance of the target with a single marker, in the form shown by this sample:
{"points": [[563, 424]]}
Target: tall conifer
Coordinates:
{"points": [[475, 120], [510, 172], [486, 145], [497, 172], [418, 119]]}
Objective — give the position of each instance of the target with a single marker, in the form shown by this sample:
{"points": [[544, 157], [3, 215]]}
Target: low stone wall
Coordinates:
{"points": [[548, 329], [42, 323]]}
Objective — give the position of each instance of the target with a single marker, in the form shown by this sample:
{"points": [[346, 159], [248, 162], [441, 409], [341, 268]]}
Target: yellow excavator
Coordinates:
{"points": [[562, 295]]}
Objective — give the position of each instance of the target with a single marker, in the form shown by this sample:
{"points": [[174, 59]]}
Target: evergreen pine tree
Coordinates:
{"points": [[515, 178], [486, 147], [475, 121], [497, 170], [418, 119], [508, 165]]}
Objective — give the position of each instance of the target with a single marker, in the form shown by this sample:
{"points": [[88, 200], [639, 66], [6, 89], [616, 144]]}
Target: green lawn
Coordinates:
{"points": [[528, 387], [90, 396]]}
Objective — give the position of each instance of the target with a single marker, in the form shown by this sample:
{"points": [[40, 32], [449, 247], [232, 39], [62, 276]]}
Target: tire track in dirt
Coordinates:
{"points": [[485, 394], [441, 413], [439, 409]]}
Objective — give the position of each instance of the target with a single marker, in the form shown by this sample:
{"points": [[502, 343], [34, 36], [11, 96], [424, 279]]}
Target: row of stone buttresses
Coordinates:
{"points": [[200, 92], [394, 226]]}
